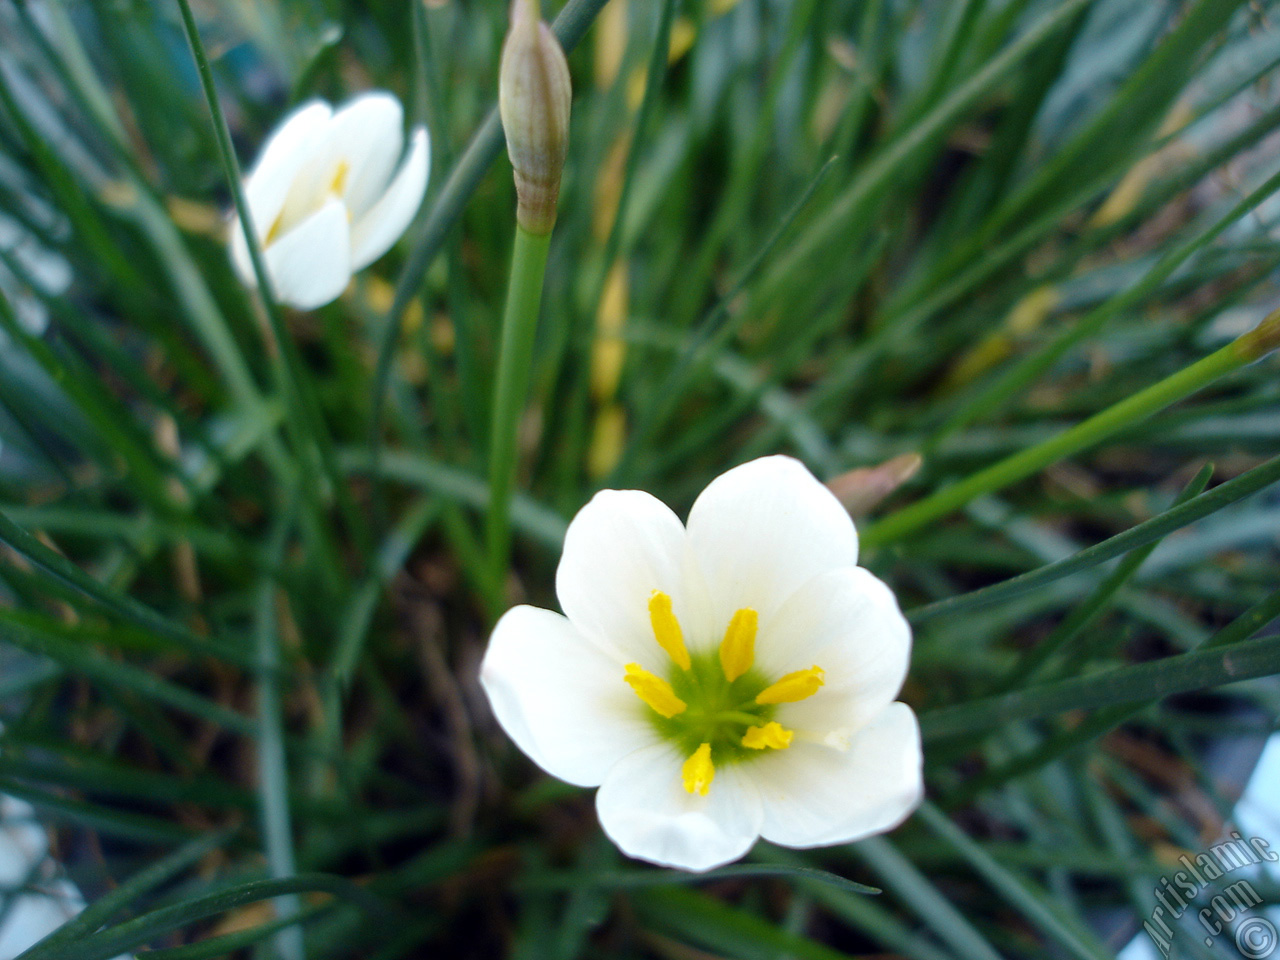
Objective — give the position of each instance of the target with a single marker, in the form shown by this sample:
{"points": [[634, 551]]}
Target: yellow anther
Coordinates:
{"points": [[654, 691], [794, 686], [698, 771], [738, 648], [274, 231], [772, 734], [666, 628], [339, 181]]}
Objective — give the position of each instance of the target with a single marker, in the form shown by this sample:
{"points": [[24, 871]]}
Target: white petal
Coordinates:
{"points": [[23, 842], [619, 548], [646, 811], [268, 183], [763, 529], [847, 622], [294, 134], [815, 795], [368, 134], [560, 698], [381, 225], [311, 264]]}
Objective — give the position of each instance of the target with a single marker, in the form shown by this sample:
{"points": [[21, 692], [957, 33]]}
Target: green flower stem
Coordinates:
{"points": [[1240, 352], [570, 27], [515, 359]]}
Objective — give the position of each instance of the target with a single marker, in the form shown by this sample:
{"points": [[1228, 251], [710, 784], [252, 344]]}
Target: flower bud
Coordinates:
{"points": [[533, 98]]}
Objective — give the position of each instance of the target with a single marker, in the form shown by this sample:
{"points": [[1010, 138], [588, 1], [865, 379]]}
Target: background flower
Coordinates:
{"points": [[326, 197]]}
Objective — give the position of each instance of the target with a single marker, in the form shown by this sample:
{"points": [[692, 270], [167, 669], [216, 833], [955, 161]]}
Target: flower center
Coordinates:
{"points": [[716, 707]]}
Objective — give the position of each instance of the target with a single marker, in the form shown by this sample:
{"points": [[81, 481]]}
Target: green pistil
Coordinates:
{"points": [[719, 711]]}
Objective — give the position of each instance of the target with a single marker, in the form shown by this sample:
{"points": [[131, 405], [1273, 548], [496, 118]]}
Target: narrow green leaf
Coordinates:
{"points": [[120, 604], [1033, 904], [1242, 351], [228, 943], [1149, 531], [50, 638], [945, 919], [131, 891], [1084, 614], [142, 930], [1107, 719], [1181, 673], [728, 930], [640, 879]]}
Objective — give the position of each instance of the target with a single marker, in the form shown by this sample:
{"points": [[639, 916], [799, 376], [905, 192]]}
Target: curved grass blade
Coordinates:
{"points": [[1180, 673], [641, 879], [1085, 613], [141, 930], [126, 894], [53, 639], [1035, 905], [94, 816], [1135, 408], [1103, 721], [122, 605], [918, 892], [229, 943], [729, 931], [1148, 531]]}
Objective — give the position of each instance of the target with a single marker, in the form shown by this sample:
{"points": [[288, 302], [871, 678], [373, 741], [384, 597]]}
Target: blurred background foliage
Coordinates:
{"points": [[928, 238]]}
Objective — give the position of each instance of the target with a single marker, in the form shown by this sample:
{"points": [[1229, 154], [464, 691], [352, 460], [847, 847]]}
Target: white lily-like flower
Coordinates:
{"points": [[727, 681], [326, 198]]}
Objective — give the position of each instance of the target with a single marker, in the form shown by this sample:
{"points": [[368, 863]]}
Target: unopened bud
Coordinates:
{"points": [[533, 98]]}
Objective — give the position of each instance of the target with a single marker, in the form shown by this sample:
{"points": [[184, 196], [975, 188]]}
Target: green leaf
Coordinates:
{"points": [[1182, 673], [1149, 531], [122, 605], [127, 894], [1036, 905], [142, 930], [639, 879]]}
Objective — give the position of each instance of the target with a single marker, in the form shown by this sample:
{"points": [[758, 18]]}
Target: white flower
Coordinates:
{"points": [[730, 680], [326, 198]]}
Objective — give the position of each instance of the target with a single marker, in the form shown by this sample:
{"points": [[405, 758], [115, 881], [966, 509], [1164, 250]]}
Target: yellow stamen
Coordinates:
{"points": [[666, 628], [698, 771], [339, 181], [274, 231], [738, 648], [654, 691], [772, 734], [794, 686]]}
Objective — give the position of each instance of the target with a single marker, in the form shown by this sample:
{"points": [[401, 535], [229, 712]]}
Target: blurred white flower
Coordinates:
{"points": [[45, 274], [39, 899], [728, 681], [326, 198]]}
